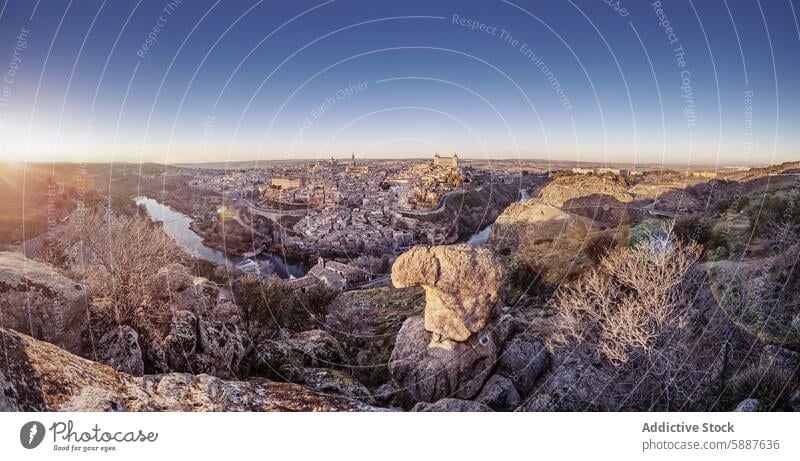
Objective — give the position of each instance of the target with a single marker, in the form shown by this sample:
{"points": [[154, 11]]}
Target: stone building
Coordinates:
{"points": [[451, 162], [286, 182]]}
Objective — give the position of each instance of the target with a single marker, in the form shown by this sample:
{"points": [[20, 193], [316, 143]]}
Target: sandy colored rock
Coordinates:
{"points": [[551, 241], [461, 283]]}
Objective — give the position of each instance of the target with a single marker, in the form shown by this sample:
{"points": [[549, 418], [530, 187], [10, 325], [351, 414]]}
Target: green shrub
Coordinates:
{"points": [[266, 306], [694, 227], [770, 385], [644, 230]]}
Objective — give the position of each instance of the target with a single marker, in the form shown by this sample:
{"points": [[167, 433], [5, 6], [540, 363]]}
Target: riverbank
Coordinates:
{"points": [[179, 226]]}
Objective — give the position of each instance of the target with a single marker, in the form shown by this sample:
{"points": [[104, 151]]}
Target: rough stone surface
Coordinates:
{"points": [[429, 374], [198, 345], [119, 348], [38, 301], [318, 348], [385, 395], [221, 348], [200, 297], [747, 405], [179, 345], [461, 283], [452, 405], [522, 361], [327, 381], [313, 348], [37, 376], [499, 394], [572, 384]]}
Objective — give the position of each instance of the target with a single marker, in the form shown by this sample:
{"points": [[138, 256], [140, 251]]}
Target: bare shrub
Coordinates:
{"points": [[625, 303], [115, 255], [630, 313]]}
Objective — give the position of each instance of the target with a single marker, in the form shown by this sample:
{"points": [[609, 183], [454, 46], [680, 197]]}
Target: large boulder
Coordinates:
{"points": [[221, 349], [428, 373], [179, 346], [313, 348], [572, 384], [499, 394], [462, 287], [38, 301], [522, 361], [199, 345], [312, 358], [200, 297], [37, 376], [175, 287], [119, 348]]}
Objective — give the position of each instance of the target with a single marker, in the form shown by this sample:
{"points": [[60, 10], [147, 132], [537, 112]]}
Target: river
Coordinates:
{"points": [[482, 236], [178, 226]]}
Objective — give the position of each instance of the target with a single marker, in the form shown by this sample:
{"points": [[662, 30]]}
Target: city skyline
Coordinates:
{"points": [[673, 82]]}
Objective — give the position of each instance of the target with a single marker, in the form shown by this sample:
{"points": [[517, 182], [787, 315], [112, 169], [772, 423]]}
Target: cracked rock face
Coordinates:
{"points": [[119, 348], [427, 374], [461, 283], [38, 301], [37, 376]]}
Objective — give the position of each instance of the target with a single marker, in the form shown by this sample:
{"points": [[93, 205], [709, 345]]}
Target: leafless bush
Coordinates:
{"points": [[626, 303], [115, 255], [630, 313]]}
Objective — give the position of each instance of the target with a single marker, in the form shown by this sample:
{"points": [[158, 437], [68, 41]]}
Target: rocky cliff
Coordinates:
{"points": [[37, 376]]}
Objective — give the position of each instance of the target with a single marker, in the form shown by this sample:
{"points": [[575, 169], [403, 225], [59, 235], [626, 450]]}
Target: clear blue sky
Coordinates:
{"points": [[576, 80]]}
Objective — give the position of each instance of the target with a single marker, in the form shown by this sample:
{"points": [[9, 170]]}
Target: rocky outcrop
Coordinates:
{"points": [[313, 348], [452, 405], [572, 384], [119, 348], [327, 381], [199, 345], [461, 283], [37, 376], [38, 301], [522, 361], [570, 187], [428, 374], [312, 358], [176, 288], [499, 394]]}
